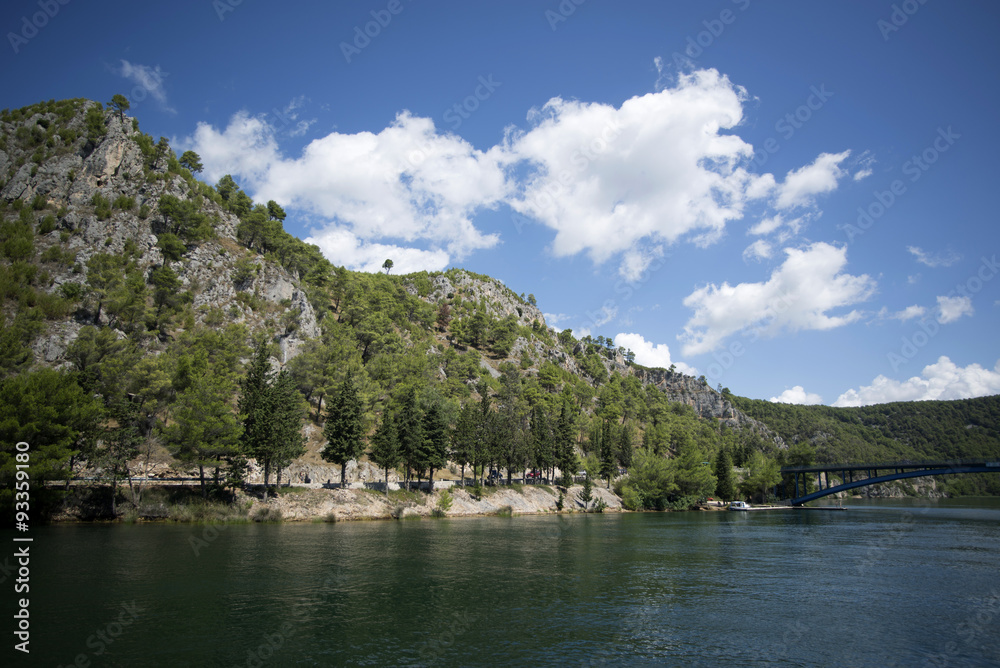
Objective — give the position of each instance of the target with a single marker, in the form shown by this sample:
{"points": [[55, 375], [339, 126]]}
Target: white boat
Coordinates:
{"points": [[739, 505]]}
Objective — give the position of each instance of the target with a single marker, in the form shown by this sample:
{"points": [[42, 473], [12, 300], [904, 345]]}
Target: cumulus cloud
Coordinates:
{"points": [[147, 81], [342, 247], [797, 395], [617, 183], [945, 259], [406, 183], [649, 354], [951, 309], [799, 295], [941, 380], [655, 170]]}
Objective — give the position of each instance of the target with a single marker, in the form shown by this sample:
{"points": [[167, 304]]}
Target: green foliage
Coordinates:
{"points": [[191, 161], [102, 207], [184, 218], [725, 484], [95, 124], [925, 430], [651, 481], [124, 203], [344, 429], [50, 412]]}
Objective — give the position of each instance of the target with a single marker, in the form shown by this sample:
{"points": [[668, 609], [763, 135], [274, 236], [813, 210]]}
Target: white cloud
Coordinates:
{"points": [[147, 80], [909, 313], [650, 354], [342, 247], [942, 380], [758, 250], [655, 170], [798, 296], [615, 183], [406, 183], [945, 259], [862, 174], [797, 395], [951, 309], [803, 184]]}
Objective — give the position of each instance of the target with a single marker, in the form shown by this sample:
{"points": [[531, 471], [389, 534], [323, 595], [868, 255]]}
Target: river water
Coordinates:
{"points": [[882, 584]]}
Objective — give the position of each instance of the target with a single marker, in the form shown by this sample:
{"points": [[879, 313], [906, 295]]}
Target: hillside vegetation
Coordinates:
{"points": [[151, 317]]}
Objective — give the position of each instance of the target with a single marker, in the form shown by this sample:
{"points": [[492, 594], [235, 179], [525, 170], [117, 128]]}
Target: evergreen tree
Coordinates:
{"points": [[344, 428], [586, 494], [435, 450], [724, 486], [205, 431], [410, 428], [385, 447], [463, 441], [289, 444], [256, 411], [607, 451], [120, 104], [120, 445], [625, 448], [567, 452]]}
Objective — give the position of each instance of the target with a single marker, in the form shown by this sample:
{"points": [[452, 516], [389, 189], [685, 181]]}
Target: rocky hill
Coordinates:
{"points": [[124, 271]]}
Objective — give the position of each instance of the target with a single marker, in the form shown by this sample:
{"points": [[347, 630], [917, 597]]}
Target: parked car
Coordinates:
{"points": [[534, 475]]}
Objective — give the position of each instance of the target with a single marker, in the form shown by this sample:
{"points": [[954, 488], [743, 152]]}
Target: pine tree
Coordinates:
{"points": [[724, 487], [463, 443], [289, 444], [256, 411], [409, 427], [567, 453], [344, 428], [625, 448], [435, 450], [607, 451], [204, 431], [385, 447]]}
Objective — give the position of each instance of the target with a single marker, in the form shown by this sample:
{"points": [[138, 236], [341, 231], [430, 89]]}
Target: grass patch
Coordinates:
{"points": [[505, 511], [267, 514]]}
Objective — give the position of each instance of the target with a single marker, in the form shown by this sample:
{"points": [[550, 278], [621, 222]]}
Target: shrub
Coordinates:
{"points": [[124, 203], [102, 207]]}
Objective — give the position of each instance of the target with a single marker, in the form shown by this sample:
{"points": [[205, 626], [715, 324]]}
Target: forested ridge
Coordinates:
{"points": [[150, 316]]}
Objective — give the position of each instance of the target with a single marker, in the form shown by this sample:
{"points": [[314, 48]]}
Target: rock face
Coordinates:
{"points": [[71, 169]]}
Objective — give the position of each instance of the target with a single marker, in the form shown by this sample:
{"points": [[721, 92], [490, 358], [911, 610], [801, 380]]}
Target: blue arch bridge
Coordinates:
{"points": [[859, 475]]}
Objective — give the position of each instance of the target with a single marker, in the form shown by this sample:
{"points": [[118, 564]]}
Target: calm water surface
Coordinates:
{"points": [[899, 583]]}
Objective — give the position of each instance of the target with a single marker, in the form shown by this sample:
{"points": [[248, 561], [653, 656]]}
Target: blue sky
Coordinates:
{"points": [[793, 199]]}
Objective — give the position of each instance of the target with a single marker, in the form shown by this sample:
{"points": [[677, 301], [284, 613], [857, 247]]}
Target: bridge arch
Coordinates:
{"points": [[899, 471]]}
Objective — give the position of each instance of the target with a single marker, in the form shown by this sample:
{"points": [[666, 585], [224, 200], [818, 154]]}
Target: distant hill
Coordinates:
{"points": [[899, 431]]}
